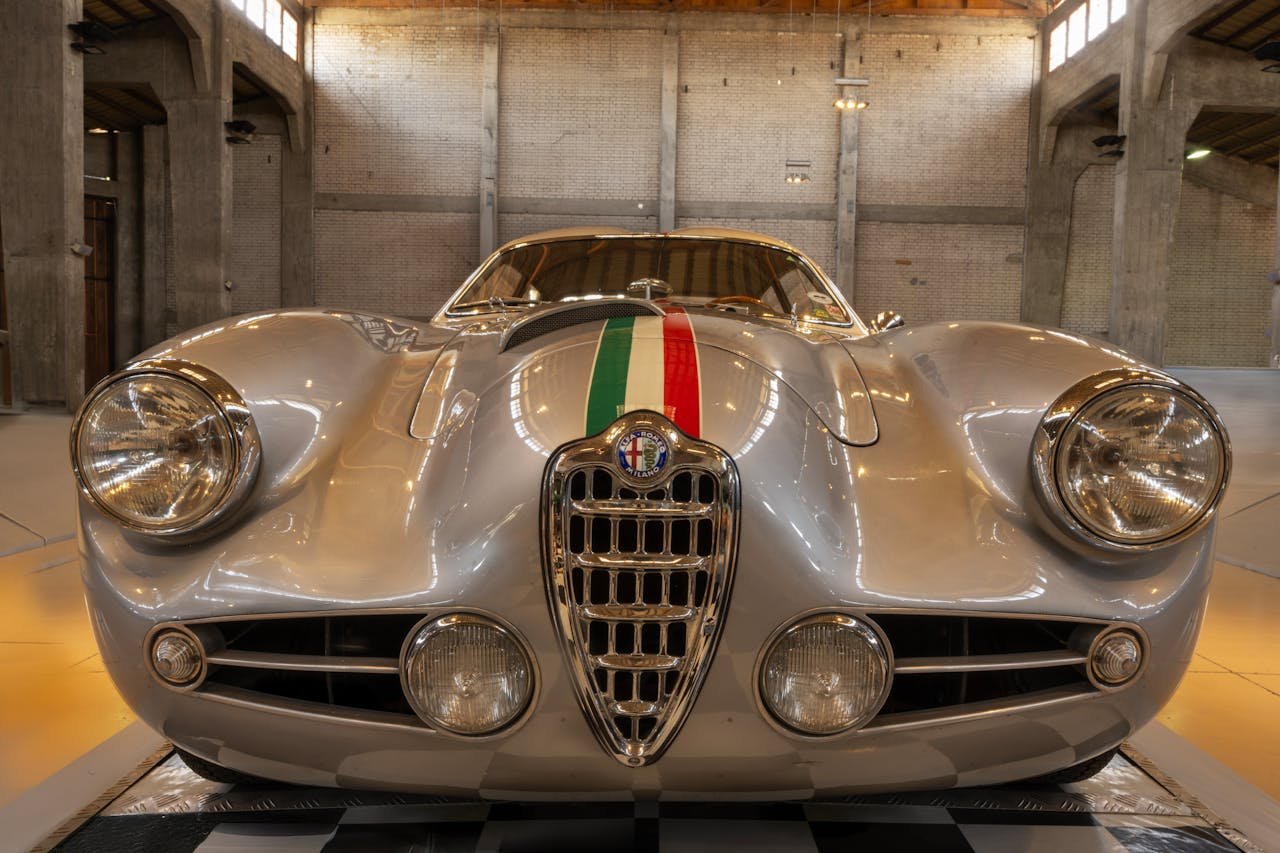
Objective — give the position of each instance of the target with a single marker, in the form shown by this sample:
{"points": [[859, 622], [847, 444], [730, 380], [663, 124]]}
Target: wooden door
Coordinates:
{"points": [[99, 286]]}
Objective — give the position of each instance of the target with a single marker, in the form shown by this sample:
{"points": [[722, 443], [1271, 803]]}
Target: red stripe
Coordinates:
{"points": [[680, 372]]}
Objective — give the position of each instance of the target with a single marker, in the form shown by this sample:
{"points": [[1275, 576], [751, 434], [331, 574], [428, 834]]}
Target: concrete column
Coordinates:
{"points": [[1275, 292], [1050, 193], [128, 284], [151, 225], [42, 198], [296, 226], [1148, 188], [489, 144], [200, 184], [667, 152], [846, 272]]}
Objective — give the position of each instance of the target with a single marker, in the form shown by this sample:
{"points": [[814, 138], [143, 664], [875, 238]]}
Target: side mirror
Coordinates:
{"points": [[887, 320]]}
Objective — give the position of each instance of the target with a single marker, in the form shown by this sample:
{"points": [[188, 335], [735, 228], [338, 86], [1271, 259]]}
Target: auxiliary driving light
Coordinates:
{"points": [[176, 658], [1116, 658], [825, 674], [465, 674]]}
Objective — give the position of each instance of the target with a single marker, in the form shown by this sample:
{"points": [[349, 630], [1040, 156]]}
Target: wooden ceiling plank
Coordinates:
{"points": [[1251, 27], [1222, 16], [119, 10]]}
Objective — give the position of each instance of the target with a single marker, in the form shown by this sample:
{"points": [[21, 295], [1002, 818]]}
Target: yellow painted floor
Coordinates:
{"points": [[1229, 701], [56, 700]]}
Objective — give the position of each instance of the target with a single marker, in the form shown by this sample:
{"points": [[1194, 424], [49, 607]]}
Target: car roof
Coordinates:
{"points": [[695, 233]]}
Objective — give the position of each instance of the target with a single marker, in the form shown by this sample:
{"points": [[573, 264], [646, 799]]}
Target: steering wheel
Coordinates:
{"points": [[739, 299]]}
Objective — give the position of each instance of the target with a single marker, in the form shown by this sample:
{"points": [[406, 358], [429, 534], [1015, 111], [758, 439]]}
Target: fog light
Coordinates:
{"points": [[825, 675], [1116, 658], [176, 658], [466, 674]]}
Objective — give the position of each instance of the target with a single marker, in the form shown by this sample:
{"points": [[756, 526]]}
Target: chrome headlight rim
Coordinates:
{"points": [[440, 621], [1046, 444], [848, 618], [245, 441]]}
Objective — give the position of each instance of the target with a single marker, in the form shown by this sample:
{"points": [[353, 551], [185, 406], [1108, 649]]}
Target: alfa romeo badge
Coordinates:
{"points": [[642, 453]]}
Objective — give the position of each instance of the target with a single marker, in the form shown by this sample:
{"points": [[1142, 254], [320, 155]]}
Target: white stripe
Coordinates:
{"points": [[645, 370]]}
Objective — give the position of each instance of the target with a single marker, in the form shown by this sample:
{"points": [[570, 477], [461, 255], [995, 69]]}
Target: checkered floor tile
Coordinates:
{"points": [[1124, 808]]}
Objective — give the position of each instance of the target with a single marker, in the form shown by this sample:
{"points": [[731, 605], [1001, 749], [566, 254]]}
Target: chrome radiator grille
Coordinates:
{"points": [[639, 575]]}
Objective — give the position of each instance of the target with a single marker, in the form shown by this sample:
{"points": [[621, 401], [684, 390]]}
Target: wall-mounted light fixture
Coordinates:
{"points": [[848, 100], [88, 35], [1198, 153], [241, 131], [1112, 141], [798, 171]]}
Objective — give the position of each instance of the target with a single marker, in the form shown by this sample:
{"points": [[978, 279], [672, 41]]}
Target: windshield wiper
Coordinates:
{"points": [[498, 302]]}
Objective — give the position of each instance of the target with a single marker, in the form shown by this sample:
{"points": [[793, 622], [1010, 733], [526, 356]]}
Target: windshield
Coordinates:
{"points": [[738, 275]]}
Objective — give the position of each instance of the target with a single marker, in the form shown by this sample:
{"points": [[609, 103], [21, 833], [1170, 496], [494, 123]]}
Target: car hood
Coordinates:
{"points": [[566, 340]]}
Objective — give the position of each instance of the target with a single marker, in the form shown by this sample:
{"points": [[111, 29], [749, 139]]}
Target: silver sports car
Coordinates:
{"points": [[645, 515]]}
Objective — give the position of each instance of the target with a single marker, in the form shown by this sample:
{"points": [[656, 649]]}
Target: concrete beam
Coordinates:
{"points": [[42, 199], [152, 227], [1219, 78], [846, 271], [587, 19], [155, 57], [668, 118], [942, 214], [1067, 86], [488, 198], [1235, 177], [282, 76]]}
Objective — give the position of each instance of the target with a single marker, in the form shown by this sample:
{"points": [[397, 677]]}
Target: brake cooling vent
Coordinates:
{"points": [[542, 324]]}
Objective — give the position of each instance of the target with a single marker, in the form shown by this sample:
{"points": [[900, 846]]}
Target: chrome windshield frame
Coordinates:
{"points": [[854, 323]]}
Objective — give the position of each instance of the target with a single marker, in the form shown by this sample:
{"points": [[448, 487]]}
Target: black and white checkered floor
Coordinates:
{"points": [[1123, 808]]}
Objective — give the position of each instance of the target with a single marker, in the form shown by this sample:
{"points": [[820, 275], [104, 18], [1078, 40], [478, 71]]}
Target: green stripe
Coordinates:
{"points": [[609, 378]]}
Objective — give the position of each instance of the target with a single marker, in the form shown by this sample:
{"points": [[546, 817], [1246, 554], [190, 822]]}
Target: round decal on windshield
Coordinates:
{"points": [[642, 453]]}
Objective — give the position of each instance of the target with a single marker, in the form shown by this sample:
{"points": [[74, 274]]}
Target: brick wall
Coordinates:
{"points": [[398, 113], [939, 272], [579, 114], [1219, 296], [1086, 295], [948, 119], [749, 102], [254, 263], [397, 109], [392, 262]]}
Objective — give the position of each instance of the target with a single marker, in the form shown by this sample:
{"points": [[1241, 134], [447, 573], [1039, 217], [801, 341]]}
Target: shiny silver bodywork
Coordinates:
{"points": [[402, 472]]}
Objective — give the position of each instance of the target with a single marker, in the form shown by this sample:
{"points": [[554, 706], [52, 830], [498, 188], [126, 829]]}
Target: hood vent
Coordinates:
{"points": [[563, 316]]}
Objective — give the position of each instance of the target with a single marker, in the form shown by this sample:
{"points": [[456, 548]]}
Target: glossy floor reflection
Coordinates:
{"points": [[1122, 808], [56, 700]]}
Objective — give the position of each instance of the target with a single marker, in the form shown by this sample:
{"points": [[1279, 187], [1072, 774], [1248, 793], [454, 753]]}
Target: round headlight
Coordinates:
{"points": [[825, 675], [1139, 464], [466, 674], [159, 453]]}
